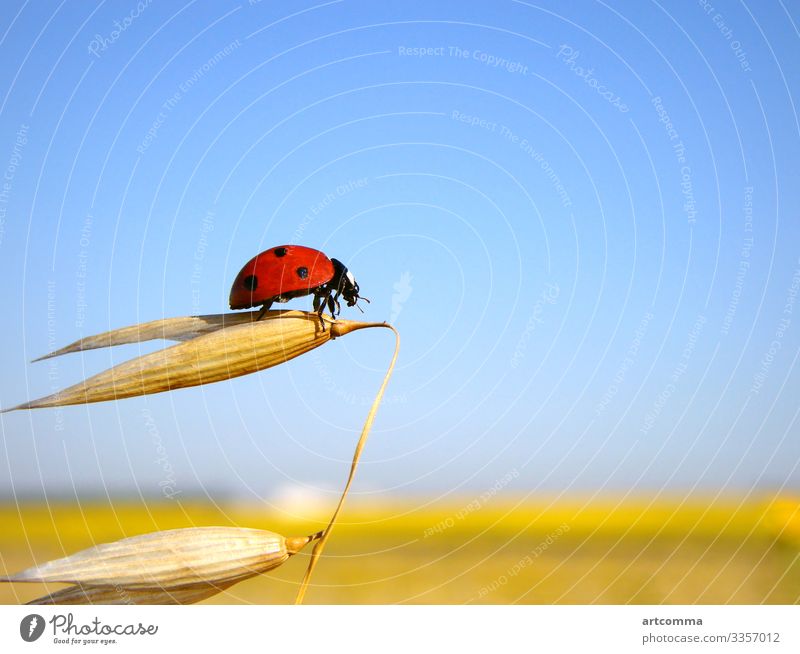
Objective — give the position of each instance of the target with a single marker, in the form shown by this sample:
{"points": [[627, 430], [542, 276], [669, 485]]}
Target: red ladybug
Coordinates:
{"points": [[288, 271]]}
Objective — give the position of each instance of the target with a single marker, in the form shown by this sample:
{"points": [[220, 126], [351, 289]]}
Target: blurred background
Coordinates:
{"points": [[576, 215]]}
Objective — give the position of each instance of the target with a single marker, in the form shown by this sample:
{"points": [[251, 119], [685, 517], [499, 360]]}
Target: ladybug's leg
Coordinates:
{"points": [[320, 299], [264, 308], [332, 306], [335, 301]]}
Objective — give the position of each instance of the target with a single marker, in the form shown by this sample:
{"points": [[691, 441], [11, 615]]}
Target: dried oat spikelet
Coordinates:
{"points": [[225, 353], [175, 566], [120, 595], [170, 329]]}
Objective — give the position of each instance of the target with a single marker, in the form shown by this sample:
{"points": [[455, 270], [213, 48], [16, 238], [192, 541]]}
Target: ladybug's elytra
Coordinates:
{"points": [[288, 271]]}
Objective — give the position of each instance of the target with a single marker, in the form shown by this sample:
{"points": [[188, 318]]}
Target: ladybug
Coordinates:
{"points": [[289, 271]]}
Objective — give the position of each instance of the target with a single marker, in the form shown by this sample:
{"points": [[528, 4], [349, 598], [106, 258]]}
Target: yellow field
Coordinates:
{"points": [[564, 552]]}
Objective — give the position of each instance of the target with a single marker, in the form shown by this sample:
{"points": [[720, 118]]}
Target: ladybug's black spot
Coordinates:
{"points": [[250, 282], [280, 252], [302, 272]]}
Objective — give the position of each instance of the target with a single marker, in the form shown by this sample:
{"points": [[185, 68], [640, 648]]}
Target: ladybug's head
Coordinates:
{"points": [[345, 283]]}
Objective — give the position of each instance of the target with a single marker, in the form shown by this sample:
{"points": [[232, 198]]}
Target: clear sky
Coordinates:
{"points": [[582, 217]]}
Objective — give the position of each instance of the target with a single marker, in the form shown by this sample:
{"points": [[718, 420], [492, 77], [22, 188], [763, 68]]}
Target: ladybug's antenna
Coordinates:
{"points": [[365, 300]]}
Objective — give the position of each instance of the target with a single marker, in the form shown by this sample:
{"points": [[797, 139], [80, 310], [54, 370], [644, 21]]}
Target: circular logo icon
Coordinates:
{"points": [[31, 627]]}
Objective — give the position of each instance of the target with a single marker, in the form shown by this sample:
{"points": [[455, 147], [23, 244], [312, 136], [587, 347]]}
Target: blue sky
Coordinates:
{"points": [[581, 217]]}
